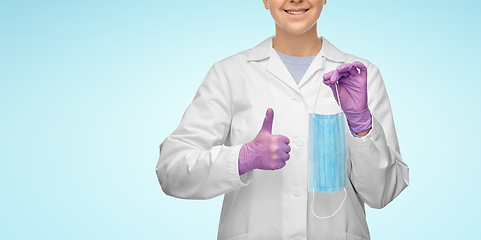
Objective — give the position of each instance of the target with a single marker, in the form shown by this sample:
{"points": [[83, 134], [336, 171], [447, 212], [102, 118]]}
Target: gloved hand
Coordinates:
{"points": [[352, 87], [266, 151]]}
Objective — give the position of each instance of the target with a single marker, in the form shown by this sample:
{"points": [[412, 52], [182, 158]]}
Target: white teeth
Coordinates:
{"points": [[296, 12]]}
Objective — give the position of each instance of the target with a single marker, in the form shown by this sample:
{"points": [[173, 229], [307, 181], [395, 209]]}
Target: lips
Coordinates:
{"points": [[296, 11]]}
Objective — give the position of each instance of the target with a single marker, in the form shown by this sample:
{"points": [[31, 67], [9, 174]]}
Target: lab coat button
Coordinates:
{"points": [[299, 142], [297, 192], [298, 99]]}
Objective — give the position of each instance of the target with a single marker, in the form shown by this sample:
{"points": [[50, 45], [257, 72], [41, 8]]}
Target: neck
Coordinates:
{"points": [[298, 45]]}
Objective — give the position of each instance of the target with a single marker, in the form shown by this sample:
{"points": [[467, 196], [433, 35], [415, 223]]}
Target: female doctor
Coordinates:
{"points": [[248, 130]]}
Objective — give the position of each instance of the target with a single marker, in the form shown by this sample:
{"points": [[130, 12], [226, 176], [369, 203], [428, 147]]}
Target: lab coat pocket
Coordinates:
{"points": [[353, 237], [239, 237]]}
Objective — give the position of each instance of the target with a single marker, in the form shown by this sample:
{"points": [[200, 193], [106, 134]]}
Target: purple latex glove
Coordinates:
{"points": [[352, 87], [266, 151]]}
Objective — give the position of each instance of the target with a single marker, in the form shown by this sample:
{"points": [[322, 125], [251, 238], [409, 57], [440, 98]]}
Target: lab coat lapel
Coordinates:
{"points": [[316, 64], [276, 67]]}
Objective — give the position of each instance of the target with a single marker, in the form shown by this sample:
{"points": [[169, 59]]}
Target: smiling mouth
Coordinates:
{"points": [[296, 12]]}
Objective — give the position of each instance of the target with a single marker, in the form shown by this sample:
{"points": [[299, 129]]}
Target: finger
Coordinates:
{"points": [[334, 77], [267, 125], [346, 67], [328, 75], [284, 139], [362, 68], [286, 148], [281, 164], [284, 156]]}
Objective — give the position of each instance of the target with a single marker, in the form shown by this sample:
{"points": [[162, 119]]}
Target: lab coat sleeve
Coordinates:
{"points": [[194, 163], [378, 171]]}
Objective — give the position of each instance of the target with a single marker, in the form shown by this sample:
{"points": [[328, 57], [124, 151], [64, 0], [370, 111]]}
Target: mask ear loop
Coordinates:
{"points": [[315, 103], [338, 98], [317, 97], [313, 193], [312, 205]]}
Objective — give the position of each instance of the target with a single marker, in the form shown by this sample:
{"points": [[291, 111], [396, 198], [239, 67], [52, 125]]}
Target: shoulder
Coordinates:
{"points": [[233, 61], [247, 57], [243, 60], [230, 69]]}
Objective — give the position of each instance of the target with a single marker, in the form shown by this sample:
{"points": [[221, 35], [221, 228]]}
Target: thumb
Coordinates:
{"points": [[267, 125]]}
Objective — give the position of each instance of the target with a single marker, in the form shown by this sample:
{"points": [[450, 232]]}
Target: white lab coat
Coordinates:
{"points": [[199, 159]]}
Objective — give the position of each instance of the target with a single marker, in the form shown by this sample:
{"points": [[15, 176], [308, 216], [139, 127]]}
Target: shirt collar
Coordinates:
{"points": [[263, 51]]}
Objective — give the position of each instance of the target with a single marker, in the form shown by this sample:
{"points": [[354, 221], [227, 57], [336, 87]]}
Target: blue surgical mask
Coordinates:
{"points": [[327, 155]]}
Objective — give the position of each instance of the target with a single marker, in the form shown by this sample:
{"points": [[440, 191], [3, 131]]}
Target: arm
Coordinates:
{"points": [[194, 163], [378, 172]]}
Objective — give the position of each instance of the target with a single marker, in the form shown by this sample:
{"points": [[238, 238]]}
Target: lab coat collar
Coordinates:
{"points": [[263, 51], [276, 67]]}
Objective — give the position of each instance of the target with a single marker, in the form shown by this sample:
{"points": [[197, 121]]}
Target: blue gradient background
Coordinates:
{"points": [[89, 90]]}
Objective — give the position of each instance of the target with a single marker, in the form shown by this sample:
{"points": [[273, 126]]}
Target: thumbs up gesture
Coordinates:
{"points": [[266, 151]]}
